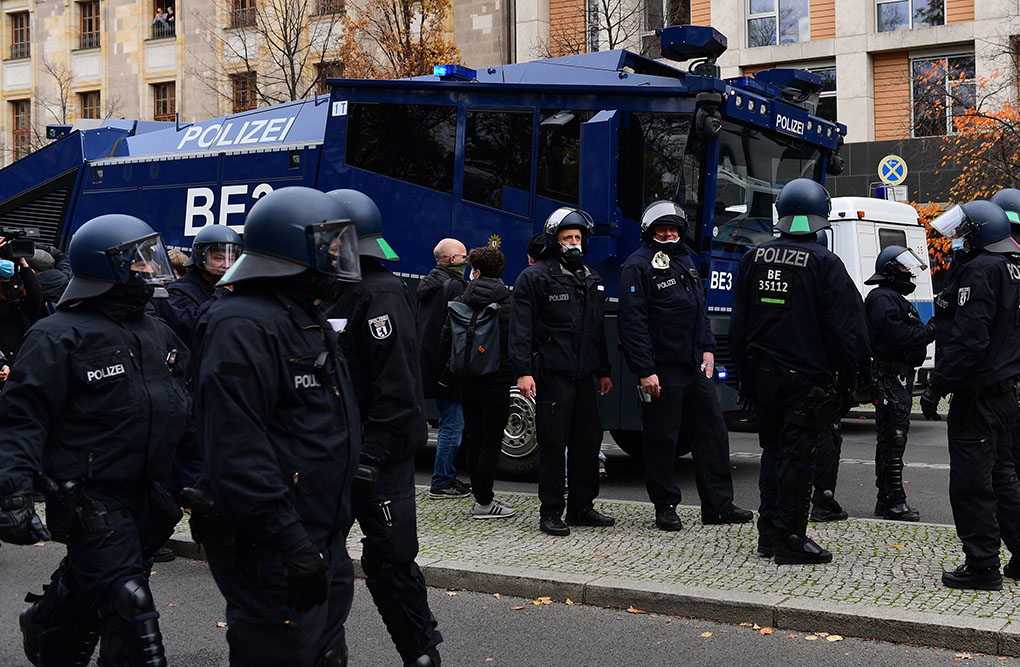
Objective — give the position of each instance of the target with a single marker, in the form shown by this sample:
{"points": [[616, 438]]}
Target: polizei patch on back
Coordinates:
{"points": [[788, 256]]}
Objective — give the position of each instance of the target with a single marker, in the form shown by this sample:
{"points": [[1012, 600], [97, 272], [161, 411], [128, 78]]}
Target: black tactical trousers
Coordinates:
{"points": [[788, 451], [830, 446], [387, 518], [687, 400], [892, 424], [567, 416], [486, 409], [983, 488]]}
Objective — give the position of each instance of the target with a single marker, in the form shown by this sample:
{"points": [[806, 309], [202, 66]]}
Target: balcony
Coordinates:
{"points": [[22, 50], [162, 30], [242, 17], [89, 40]]}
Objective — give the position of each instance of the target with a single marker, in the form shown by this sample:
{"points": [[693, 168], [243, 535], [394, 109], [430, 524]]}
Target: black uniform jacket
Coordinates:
{"points": [[977, 319], [794, 302], [441, 286], [895, 330], [276, 416], [560, 319], [184, 298], [662, 312], [93, 398], [380, 343]]}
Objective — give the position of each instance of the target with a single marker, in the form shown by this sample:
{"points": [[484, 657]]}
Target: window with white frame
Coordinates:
{"points": [[942, 88], [909, 14], [771, 22], [660, 14], [827, 95]]}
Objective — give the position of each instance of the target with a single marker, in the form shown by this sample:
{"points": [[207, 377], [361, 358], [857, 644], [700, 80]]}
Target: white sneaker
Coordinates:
{"points": [[494, 510]]}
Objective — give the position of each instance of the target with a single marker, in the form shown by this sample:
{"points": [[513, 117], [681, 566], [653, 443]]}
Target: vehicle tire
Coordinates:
{"points": [[518, 458]]}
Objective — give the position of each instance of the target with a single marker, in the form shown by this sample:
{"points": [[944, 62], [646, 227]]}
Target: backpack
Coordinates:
{"points": [[475, 344]]}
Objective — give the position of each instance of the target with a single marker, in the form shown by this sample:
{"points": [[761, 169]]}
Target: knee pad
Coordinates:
{"points": [[334, 658], [899, 439], [133, 600], [133, 603]]}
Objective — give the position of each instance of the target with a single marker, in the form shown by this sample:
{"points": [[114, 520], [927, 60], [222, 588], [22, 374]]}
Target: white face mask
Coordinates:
{"points": [[958, 244], [571, 248]]}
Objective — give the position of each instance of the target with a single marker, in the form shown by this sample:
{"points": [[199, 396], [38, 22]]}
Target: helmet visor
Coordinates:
{"points": [[334, 247], [911, 262], [954, 223], [143, 261], [218, 257]]}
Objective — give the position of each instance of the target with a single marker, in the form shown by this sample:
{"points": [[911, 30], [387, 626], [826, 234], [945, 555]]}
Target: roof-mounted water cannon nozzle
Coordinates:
{"points": [[703, 44]]}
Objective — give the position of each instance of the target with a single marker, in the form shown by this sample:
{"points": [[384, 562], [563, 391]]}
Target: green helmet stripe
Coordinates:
{"points": [[800, 224], [1013, 217], [387, 250]]}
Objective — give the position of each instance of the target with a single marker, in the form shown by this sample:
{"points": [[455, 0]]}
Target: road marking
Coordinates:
{"points": [[865, 462]]}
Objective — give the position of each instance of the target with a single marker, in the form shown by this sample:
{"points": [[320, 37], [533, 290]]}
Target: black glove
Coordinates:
{"points": [[19, 524], [930, 403], [930, 329], [306, 576], [367, 474]]}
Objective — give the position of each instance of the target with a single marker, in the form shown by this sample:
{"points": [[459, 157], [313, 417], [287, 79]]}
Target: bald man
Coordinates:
{"points": [[443, 284]]}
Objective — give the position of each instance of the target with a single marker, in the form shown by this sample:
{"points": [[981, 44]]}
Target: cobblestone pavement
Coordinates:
{"points": [[877, 563]]}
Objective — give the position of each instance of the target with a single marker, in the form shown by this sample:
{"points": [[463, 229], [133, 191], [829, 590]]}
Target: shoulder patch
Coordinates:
{"points": [[380, 327], [962, 296]]}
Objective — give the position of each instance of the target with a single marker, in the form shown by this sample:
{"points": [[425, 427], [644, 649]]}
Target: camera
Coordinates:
{"points": [[20, 242]]}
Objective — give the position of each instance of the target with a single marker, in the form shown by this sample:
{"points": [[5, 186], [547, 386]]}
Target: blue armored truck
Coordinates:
{"points": [[483, 156]]}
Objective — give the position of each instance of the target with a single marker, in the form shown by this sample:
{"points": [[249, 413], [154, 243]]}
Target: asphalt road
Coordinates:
{"points": [[480, 629], [926, 472]]}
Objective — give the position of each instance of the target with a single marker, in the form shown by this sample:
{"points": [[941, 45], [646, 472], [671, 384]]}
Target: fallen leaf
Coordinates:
{"points": [[766, 631], [653, 616], [172, 604], [906, 481], [812, 638], [516, 608], [964, 656], [221, 624], [542, 600], [495, 595], [489, 659], [756, 626], [896, 546], [632, 610], [833, 638], [451, 593], [822, 634], [792, 636], [39, 544], [706, 634], [598, 556], [569, 601], [746, 625]]}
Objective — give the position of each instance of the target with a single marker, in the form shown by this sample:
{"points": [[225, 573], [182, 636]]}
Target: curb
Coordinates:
{"points": [[961, 633]]}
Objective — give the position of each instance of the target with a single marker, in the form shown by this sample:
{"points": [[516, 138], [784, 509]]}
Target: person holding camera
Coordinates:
{"points": [[380, 343], [20, 301]]}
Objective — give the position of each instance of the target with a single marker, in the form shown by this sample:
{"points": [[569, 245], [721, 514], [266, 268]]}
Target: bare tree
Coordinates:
{"points": [[60, 107], [282, 47], [612, 24]]}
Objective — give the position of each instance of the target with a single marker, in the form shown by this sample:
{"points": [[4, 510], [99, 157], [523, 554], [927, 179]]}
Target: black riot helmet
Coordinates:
{"points": [[112, 250], [1008, 199], [803, 206], [219, 242], [360, 208], [896, 262], [567, 217], [983, 224], [663, 212], [293, 230]]}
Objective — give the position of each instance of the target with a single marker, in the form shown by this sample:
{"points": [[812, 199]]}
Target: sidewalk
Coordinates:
{"points": [[883, 583]]}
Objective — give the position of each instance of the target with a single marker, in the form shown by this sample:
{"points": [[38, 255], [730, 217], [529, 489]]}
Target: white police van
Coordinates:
{"points": [[861, 228]]}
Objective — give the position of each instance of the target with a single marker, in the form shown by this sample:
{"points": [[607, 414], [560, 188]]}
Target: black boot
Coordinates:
{"points": [[553, 525], [975, 579], [590, 517], [798, 550], [766, 545], [1012, 568], [827, 509], [667, 519], [896, 507], [901, 512]]}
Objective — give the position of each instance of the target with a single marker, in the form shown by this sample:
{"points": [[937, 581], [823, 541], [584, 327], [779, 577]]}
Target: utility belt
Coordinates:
{"points": [[820, 405], [892, 367], [1001, 387]]}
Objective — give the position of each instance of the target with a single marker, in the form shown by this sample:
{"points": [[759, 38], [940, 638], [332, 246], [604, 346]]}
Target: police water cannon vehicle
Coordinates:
{"points": [[483, 156]]}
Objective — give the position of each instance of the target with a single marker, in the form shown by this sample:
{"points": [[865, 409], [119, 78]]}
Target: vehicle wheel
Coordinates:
{"points": [[631, 442], [519, 455]]}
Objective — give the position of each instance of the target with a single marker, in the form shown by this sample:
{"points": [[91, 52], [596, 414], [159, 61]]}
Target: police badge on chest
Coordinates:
{"points": [[660, 260]]}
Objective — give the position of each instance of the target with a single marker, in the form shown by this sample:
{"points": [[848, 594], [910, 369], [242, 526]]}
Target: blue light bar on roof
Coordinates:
{"points": [[458, 72]]}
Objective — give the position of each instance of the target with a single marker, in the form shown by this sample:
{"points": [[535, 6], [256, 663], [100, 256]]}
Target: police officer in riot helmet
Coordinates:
{"points": [[214, 251], [280, 435], [91, 415], [380, 342], [795, 336], [558, 352], [1008, 199], [977, 359], [668, 343], [899, 341]]}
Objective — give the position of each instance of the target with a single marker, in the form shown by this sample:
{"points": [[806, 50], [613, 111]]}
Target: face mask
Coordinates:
{"points": [[457, 265], [669, 246], [903, 284], [958, 245], [571, 254], [6, 268]]}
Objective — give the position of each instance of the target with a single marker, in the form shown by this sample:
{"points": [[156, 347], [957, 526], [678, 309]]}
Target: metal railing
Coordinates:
{"points": [[89, 40], [23, 50], [242, 17], [161, 29]]}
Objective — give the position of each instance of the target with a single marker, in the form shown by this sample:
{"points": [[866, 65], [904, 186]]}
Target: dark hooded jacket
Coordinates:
{"points": [[441, 286], [480, 293]]}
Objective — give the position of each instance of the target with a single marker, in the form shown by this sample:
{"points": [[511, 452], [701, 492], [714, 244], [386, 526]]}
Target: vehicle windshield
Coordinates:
{"points": [[753, 167]]}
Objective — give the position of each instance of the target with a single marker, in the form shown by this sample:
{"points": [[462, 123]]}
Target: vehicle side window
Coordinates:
{"points": [[888, 237], [559, 154], [497, 159], [408, 142]]}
